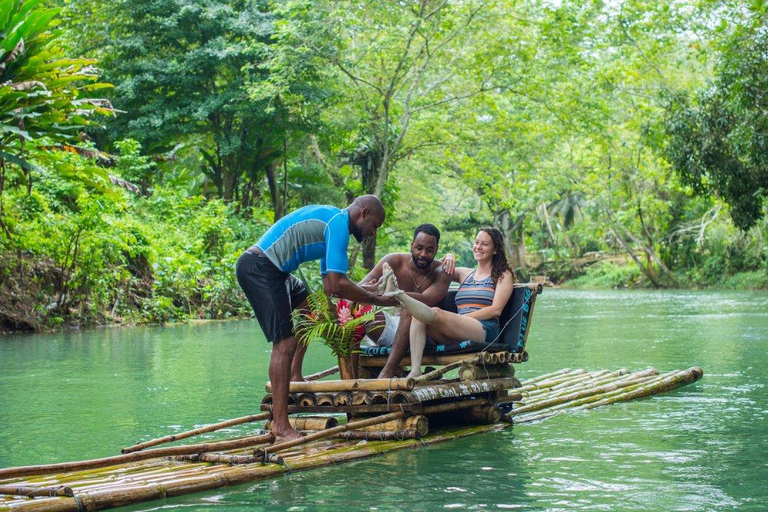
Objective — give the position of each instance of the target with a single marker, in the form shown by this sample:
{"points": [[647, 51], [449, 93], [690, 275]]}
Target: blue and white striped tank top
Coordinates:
{"points": [[474, 295]]}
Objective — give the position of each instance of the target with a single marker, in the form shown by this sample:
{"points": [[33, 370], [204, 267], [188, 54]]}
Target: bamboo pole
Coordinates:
{"points": [[231, 475], [319, 375], [416, 423], [383, 435], [651, 386], [546, 376], [531, 399], [36, 492], [353, 425], [340, 399], [361, 398], [64, 467], [309, 423], [455, 389], [324, 399], [547, 383], [478, 372], [221, 458], [482, 414], [306, 399], [335, 386], [571, 397], [436, 374], [195, 432]]}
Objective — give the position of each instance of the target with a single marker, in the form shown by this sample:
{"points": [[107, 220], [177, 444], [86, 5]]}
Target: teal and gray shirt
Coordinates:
{"points": [[309, 233]]}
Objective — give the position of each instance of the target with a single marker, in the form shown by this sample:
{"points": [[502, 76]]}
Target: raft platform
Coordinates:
{"points": [[343, 420]]}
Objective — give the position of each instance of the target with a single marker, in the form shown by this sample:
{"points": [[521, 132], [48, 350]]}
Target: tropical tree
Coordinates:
{"points": [[719, 143], [44, 96]]}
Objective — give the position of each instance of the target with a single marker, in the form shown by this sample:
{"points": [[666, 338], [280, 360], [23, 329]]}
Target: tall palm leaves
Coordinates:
{"points": [[41, 91]]}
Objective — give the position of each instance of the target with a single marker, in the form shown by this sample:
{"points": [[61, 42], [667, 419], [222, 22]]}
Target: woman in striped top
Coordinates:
{"points": [[483, 293]]}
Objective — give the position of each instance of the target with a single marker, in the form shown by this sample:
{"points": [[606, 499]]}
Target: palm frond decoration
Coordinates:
{"points": [[338, 325]]}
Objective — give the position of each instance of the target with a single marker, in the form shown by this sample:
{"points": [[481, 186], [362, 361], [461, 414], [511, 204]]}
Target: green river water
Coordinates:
{"points": [[77, 395]]}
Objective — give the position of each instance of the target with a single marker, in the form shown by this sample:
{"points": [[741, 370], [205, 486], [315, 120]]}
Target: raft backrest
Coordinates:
{"points": [[515, 318]]}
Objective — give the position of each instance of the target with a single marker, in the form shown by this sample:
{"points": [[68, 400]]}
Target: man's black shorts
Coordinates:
{"points": [[273, 294]]}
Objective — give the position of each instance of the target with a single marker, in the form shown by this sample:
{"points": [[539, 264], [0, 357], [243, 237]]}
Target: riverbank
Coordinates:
{"points": [[618, 275]]}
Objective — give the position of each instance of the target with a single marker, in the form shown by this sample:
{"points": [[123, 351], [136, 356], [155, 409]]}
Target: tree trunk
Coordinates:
{"points": [[277, 202], [514, 238]]}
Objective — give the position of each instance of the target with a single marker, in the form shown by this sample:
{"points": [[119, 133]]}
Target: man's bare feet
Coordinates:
{"points": [[415, 372], [298, 378], [286, 435]]}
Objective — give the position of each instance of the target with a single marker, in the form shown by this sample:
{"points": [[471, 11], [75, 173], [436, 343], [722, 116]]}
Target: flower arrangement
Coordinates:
{"points": [[338, 325]]}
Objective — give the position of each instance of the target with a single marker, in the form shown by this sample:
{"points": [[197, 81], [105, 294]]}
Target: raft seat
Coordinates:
{"points": [[515, 321]]}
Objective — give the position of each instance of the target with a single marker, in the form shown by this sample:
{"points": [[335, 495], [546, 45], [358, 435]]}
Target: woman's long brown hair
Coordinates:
{"points": [[499, 262]]}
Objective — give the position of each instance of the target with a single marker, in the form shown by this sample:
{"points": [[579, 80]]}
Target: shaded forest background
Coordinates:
{"points": [[144, 144]]}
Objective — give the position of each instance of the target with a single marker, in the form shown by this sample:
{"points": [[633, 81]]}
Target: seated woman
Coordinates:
{"points": [[483, 293]]}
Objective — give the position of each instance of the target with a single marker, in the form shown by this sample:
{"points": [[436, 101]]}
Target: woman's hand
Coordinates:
{"points": [[449, 263]]}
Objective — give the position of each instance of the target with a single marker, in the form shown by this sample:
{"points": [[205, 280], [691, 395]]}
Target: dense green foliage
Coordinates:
{"points": [[609, 141], [720, 145]]}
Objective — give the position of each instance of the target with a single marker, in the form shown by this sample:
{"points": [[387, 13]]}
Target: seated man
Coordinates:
{"points": [[421, 277]]}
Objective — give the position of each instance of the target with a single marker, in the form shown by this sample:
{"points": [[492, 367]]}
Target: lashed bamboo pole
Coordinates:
{"points": [[231, 475], [221, 458], [584, 380], [654, 385], [478, 372], [552, 381], [335, 386], [627, 384], [546, 376], [572, 397], [197, 431], [382, 435], [134, 457], [36, 492], [353, 425], [482, 415], [456, 389], [532, 399], [319, 375], [309, 422], [306, 399], [416, 423], [340, 399], [436, 374]]}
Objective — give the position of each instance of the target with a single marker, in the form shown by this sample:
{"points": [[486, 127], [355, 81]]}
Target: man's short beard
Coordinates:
{"points": [[416, 263]]}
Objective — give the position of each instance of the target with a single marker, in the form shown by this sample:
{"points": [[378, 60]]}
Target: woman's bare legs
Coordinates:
{"points": [[418, 309], [450, 325]]}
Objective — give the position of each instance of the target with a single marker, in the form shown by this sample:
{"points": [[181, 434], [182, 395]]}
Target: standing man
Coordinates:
{"points": [[422, 277], [264, 274]]}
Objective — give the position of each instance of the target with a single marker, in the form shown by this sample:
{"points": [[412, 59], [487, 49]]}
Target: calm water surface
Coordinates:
{"points": [[81, 395]]}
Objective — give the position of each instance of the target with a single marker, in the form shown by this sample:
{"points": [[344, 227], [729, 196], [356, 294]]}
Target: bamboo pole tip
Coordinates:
{"points": [[697, 371]]}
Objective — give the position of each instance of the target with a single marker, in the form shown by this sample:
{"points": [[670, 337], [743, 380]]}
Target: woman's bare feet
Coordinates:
{"points": [[388, 285]]}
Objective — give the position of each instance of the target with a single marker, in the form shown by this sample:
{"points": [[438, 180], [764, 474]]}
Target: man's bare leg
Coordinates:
{"points": [[418, 341], [298, 357], [279, 375], [399, 347], [297, 363]]}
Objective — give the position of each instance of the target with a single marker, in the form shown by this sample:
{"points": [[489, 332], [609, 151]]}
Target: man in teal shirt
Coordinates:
{"points": [[264, 273]]}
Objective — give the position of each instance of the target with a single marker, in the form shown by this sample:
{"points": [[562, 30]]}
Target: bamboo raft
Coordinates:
{"points": [[384, 416], [343, 420]]}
